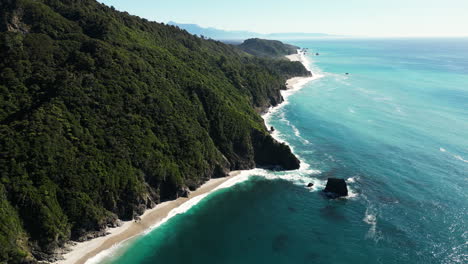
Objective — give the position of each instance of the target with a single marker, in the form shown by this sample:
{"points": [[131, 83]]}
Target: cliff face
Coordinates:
{"points": [[272, 154], [103, 115]]}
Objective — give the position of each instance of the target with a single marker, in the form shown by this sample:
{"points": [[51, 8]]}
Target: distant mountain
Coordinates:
{"points": [[220, 34], [297, 35], [215, 33], [267, 48]]}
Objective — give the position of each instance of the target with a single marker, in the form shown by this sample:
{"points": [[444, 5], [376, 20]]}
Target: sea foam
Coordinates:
{"points": [[272, 111], [117, 248], [456, 156]]}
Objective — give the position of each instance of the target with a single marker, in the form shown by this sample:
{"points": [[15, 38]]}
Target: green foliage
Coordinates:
{"points": [[267, 48], [12, 236], [102, 113]]}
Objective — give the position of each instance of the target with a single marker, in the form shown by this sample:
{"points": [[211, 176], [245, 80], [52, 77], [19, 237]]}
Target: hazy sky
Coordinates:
{"points": [[344, 17]]}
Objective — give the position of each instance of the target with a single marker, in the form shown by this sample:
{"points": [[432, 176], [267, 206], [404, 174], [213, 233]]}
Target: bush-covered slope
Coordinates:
{"points": [[267, 48], [103, 115]]}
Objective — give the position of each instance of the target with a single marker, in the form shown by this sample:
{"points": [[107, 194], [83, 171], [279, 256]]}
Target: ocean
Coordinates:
{"points": [[395, 127]]}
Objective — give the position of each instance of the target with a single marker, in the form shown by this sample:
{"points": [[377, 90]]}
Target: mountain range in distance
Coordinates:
{"points": [[220, 34]]}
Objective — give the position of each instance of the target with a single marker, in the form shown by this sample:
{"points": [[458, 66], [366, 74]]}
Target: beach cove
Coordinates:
{"points": [[81, 252]]}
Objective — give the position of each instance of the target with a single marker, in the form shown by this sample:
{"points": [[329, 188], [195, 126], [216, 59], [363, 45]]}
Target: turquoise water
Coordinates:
{"points": [[396, 128]]}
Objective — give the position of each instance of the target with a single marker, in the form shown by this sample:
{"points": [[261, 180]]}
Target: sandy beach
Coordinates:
{"points": [[293, 83], [83, 251]]}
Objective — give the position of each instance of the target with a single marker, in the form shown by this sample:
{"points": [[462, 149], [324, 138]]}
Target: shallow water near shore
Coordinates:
{"points": [[396, 128]]}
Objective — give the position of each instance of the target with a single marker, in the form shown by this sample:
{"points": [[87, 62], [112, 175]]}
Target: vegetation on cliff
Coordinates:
{"points": [[104, 114], [267, 48]]}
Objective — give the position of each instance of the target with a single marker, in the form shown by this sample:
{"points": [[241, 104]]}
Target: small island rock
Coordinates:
{"points": [[336, 188], [310, 185]]}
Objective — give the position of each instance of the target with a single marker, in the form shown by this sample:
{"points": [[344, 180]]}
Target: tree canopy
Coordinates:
{"points": [[104, 114]]}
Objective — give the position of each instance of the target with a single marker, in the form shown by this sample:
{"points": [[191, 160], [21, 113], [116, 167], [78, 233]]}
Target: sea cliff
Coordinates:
{"points": [[104, 115]]}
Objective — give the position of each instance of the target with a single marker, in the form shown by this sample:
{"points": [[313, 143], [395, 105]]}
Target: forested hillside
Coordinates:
{"points": [[104, 114], [267, 48]]}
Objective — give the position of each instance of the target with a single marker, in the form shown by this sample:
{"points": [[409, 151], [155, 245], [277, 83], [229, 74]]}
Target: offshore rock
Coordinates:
{"points": [[336, 188]]}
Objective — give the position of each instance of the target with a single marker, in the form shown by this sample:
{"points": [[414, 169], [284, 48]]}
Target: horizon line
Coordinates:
{"points": [[329, 34]]}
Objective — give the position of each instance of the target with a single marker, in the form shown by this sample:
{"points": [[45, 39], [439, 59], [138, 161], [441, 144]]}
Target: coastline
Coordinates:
{"points": [[93, 250], [296, 83], [293, 85], [82, 252]]}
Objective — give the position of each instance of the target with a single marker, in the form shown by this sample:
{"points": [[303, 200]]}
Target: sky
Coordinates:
{"points": [[379, 18]]}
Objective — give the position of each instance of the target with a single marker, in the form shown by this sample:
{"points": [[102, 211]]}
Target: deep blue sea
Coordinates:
{"points": [[396, 128]]}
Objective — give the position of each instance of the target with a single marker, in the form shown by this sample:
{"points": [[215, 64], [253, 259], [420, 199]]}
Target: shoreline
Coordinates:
{"points": [[293, 85], [83, 252], [93, 250], [296, 83]]}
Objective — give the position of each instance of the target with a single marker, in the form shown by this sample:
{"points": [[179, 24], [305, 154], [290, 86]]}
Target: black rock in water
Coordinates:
{"points": [[336, 188], [310, 184]]}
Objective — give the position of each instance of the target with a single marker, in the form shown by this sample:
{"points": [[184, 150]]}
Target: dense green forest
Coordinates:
{"points": [[267, 48], [104, 114]]}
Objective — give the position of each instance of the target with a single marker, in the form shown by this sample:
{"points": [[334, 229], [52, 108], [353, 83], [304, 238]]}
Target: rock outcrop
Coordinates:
{"points": [[272, 154], [336, 188]]}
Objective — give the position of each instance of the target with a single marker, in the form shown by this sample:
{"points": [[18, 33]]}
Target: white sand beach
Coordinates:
{"points": [[297, 82], [83, 251]]}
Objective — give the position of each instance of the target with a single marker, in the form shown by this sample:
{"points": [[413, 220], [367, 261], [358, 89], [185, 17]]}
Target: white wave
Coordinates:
{"points": [[178, 210], [318, 185], [298, 135], [115, 249], [298, 176], [272, 111], [351, 180], [371, 219], [351, 193], [296, 87], [458, 157], [351, 110], [109, 253], [276, 134], [243, 176]]}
